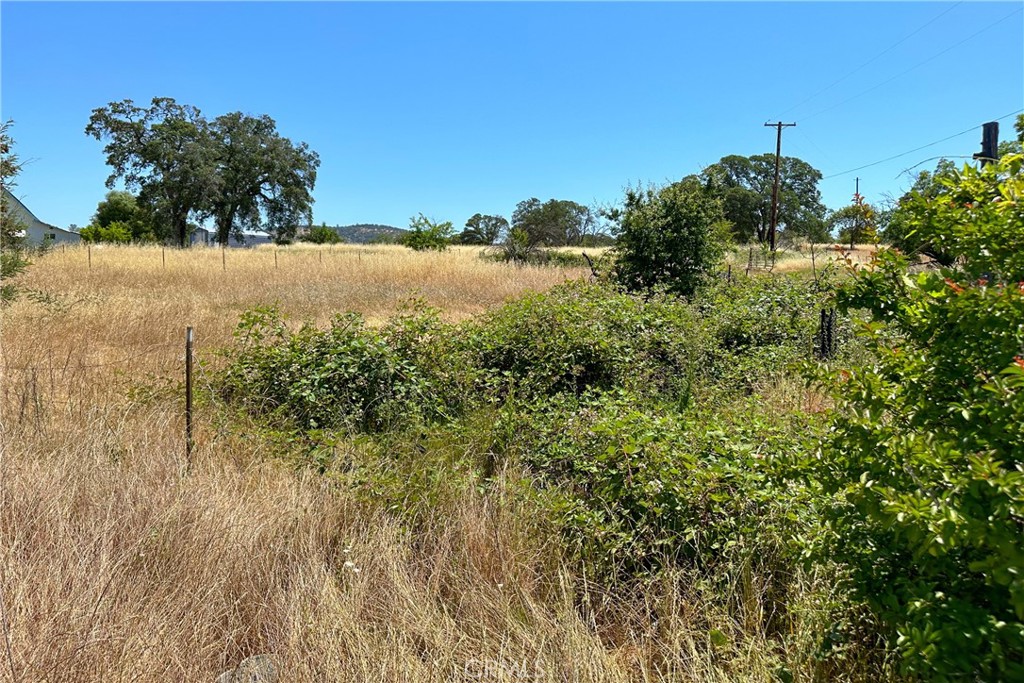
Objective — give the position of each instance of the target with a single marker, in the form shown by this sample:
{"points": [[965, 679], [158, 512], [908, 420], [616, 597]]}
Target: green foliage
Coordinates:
{"points": [[744, 186], [554, 223], [901, 225], [425, 234], [925, 463], [321, 234], [643, 486], [854, 224], [649, 449], [117, 232], [482, 229], [758, 329], [347, 376], [672, 237], [977, 218], [123, 209], [264, 181], [1016, 145], [12, 247], [163, 151], [518, 247], [237, 168], [578, 337]]}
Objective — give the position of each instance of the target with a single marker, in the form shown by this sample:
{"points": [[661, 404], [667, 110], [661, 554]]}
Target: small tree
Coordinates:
{"points": [[855, 224], [671, 237], [321, 234], [427, 234], [119, 218]]}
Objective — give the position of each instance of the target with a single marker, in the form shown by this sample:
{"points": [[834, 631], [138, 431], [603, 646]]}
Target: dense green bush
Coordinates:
{"points": [[347, 376], [425, 234], [579, 336], [575, 338], [118, 233], [761, 327], [926, 459], [672, 237], [321, 234], [643, 485]]}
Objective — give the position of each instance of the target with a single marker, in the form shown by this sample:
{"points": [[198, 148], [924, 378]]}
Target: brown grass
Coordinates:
{"points": [[117, 565], [802, 258]]}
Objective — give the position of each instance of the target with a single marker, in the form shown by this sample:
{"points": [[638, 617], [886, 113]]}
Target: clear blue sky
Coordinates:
{"points": [[455, 108]]}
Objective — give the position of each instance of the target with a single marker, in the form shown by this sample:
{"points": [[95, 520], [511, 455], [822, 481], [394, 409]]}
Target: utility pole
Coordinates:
{"points": [[989, 143], [775, 187]]}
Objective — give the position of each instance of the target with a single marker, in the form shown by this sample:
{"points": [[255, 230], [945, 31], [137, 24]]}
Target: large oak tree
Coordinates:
{"points": [[744, 185], [165, 152], [264, 182], [554, 223], [236, 169]]}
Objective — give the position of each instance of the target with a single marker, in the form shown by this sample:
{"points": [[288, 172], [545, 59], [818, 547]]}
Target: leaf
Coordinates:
{"points": [[718, 638]]}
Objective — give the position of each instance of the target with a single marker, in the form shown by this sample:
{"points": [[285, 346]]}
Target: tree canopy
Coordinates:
{"points": [[321, 234], [426, 234], [554, 223], [236, 169], [744, 186], [901, 224], [120, 217], [481, 229], [264, 182], [164, 152], [855, 223]]}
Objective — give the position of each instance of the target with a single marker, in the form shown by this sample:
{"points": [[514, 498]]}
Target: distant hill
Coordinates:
{"points": [[361, 233]]}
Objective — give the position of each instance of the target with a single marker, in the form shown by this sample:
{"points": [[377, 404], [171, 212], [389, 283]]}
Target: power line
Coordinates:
{"points": [[918, 149], [919, 64], [925, 161], [873, 59]]}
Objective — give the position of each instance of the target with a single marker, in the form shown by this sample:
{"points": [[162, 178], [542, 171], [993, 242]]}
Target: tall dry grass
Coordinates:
{"points": [[119, 564], [800, 258]]}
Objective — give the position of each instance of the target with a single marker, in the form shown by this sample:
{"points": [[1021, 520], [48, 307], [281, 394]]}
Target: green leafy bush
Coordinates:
{"points": [[761, 327], [580, 336], [926, 459], [347, 376], [425, 234], [643, 485], [670, 237], [321, 234], [118, 233]]}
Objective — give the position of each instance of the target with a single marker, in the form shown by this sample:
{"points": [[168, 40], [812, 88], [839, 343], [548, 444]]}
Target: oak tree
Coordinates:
{"points": [[165, 152]]}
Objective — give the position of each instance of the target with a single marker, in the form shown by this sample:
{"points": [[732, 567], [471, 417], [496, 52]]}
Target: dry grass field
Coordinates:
{"points": [[800, 258], [118, 565]]}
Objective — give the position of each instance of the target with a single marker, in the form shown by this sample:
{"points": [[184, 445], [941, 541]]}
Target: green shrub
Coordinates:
{"points": [[321, 234], [672, 237], [347, 376], [926, 459], [118, 233], [644, 486], [578, 336], [425, 234]]}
